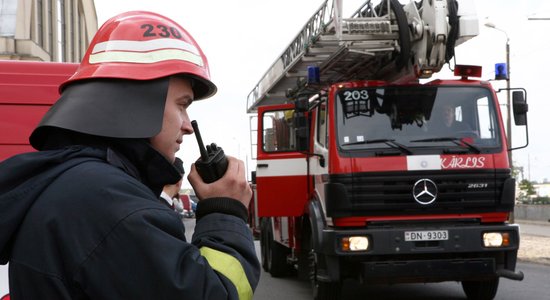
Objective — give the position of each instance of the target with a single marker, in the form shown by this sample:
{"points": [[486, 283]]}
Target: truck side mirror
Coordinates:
{"points": [[520, 107]]}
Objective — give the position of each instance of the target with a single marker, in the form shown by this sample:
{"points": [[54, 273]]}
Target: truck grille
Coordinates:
{"points": [[375, 193]]}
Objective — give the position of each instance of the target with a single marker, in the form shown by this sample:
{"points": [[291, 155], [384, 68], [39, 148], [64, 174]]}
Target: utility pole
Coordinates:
{"points": [[508, 98], [508, 101], [511, 217]]}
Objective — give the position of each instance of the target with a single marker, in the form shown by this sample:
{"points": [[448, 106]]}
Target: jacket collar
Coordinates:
{"points": [[141, 161]]}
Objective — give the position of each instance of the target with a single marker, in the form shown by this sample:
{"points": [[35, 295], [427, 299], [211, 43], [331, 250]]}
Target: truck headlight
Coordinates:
{"points": [[355, 243], [496, 239]]}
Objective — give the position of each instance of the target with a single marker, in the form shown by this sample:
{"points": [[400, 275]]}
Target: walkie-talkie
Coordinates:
{"points": [[212, 164]]}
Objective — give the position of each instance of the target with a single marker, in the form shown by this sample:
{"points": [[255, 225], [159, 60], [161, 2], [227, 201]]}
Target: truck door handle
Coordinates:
{"points": [[262, 165]]}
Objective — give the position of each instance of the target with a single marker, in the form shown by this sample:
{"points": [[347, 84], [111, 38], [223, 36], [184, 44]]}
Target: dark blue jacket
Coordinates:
{"points": [[86, 223]]}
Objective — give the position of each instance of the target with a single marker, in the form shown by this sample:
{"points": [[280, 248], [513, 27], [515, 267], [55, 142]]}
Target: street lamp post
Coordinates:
{"points": [[508, 106]]}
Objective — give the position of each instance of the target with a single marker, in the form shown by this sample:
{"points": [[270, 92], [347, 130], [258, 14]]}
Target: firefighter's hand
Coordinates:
{"points": [[233, 184]]}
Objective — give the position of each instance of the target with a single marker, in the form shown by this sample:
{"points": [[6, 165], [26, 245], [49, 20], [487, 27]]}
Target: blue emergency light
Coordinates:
{"points": [[501, 71], [313, 75]]}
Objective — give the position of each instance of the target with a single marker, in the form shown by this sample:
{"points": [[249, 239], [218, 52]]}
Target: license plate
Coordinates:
{"points": [[426, 235]]}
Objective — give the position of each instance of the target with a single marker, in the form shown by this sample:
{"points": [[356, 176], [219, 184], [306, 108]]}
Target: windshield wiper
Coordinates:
{"points": [[455, 140], [390, 142]]}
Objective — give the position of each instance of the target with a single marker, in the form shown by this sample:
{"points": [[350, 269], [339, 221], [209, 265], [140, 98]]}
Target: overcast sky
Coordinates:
{"points": [[243, 38]]}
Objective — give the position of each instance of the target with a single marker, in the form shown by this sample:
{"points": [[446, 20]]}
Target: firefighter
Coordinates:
{"points": [[81, 218], [170, 193], [446, 122]]}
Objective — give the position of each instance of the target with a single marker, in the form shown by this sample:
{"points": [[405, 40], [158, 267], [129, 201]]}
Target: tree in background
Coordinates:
{"points": [[526, 191]]}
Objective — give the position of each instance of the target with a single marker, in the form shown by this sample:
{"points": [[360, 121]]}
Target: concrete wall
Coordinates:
{"points": [[532, 212]]}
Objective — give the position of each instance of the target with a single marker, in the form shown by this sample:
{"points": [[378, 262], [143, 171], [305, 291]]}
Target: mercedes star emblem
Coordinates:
{"points": [[425, 191]]}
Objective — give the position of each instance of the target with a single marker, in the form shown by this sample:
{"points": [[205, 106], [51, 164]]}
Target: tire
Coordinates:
{"points": [[276, 255], [321, 290], [481, 290], [327, 291], [404, 36], [397, 17], [264, 245], [304, 269]]}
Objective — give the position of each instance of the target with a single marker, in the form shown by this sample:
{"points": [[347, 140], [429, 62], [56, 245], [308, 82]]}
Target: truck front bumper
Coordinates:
{"points": [[392, 258]]}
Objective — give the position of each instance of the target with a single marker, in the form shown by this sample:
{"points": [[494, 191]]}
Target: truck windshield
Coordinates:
{"points": [[419, 119]]}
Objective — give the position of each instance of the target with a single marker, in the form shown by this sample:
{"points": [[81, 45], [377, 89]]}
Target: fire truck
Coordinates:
{"points": [[369, 170], [27, 90]]}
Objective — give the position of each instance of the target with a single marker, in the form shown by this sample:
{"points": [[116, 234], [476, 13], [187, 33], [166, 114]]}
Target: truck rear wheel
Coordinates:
{"points": [[481, 290], [264, 242], [275, 258]]}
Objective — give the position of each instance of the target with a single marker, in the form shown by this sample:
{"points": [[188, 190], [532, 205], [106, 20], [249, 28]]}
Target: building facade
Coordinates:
{"points": [[46, 30]]}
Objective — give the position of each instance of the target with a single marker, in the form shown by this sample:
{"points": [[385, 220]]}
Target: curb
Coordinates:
{"points": [[532, 222], [538, 261]]}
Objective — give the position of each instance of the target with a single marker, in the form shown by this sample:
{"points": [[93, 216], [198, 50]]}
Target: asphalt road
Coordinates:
{"points": [[534, 286], [534, 228]]}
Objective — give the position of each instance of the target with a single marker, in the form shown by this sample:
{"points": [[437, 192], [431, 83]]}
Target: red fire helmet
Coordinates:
{"points": [[141, 45], [119, 89]]}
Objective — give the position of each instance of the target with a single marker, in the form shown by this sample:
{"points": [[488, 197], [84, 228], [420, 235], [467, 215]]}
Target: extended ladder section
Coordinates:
{"points": [[386, 41]]}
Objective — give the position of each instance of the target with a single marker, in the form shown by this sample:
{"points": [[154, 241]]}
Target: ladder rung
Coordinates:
{"points": [[296, 74], [321, 50], [366, 26], [314, 58], [362, 37]]}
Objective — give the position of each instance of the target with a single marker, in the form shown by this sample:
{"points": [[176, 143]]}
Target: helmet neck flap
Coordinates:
{"points": [[107, 108]]}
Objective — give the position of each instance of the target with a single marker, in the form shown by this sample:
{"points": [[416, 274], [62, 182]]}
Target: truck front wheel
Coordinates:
{"points": [[481, 290], [326, 290], [321, 290]]}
